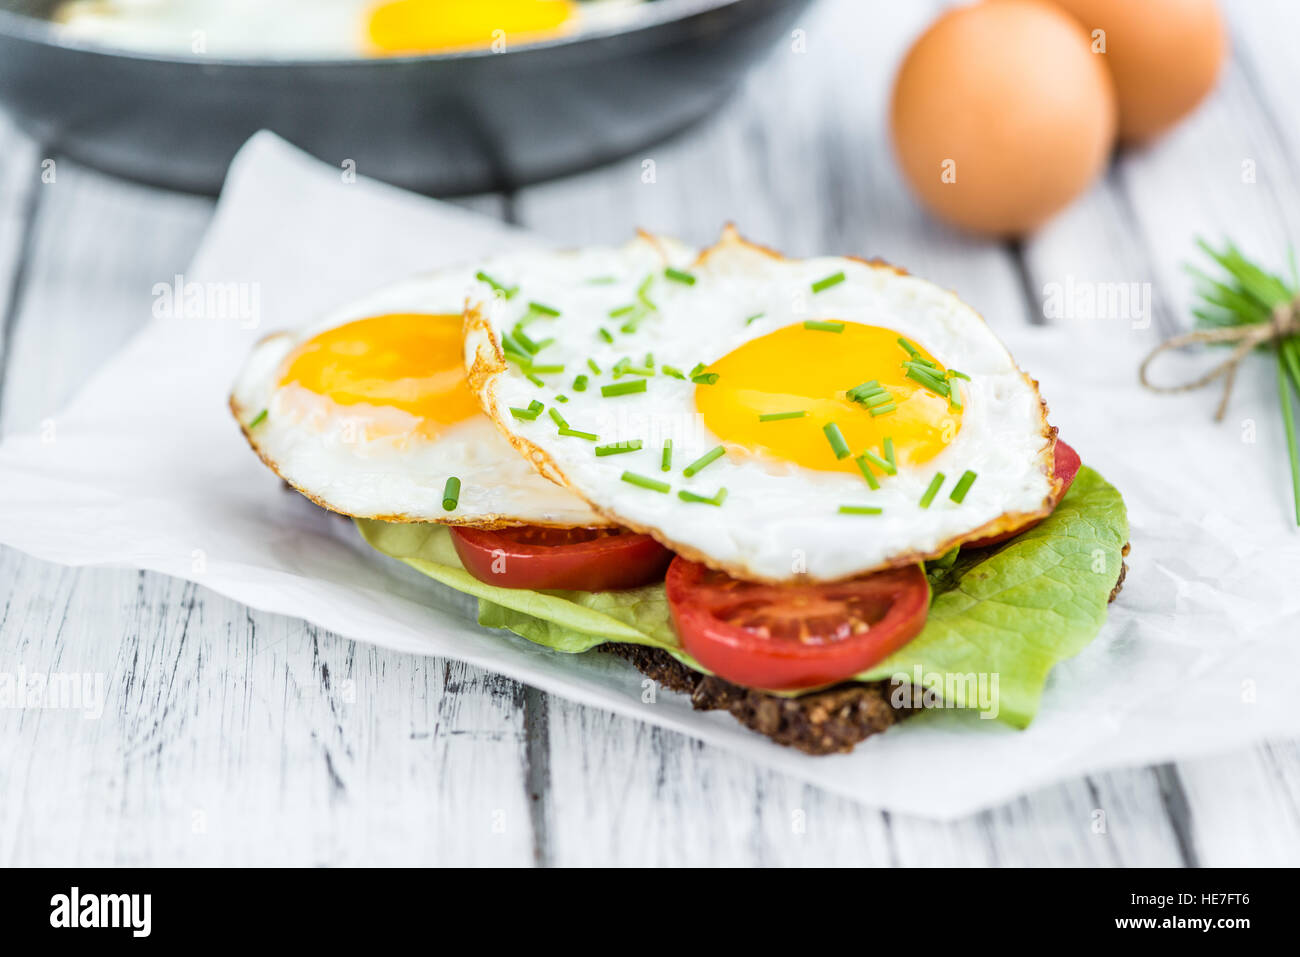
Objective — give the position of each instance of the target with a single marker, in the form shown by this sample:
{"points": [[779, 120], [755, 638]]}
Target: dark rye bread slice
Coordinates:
{"points": [[824, 722]]}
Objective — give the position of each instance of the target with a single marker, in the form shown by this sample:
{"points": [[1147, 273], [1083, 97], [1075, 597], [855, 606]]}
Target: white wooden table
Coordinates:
{"points": [[237, 737]]}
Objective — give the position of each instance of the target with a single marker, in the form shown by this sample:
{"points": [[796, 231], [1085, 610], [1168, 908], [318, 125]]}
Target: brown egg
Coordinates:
{"points": [[1002, 115], [1163, 54]]}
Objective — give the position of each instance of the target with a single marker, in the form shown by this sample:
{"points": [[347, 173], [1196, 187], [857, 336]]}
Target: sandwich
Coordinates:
{"points": [[818, 494]]}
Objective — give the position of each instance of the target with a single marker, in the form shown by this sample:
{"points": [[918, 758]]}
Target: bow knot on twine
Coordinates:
{"points": [[1285, 321]]}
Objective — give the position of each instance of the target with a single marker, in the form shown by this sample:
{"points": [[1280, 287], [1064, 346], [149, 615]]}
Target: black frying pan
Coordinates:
{"points": [[448, 123]]}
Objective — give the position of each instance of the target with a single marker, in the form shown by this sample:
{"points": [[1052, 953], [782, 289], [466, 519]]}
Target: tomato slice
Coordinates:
{"points": [[564, 559], [784, 637], [1067, 467]]}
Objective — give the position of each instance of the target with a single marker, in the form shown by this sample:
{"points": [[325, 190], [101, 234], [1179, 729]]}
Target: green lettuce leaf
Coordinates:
{"points": [[1013, 611]]}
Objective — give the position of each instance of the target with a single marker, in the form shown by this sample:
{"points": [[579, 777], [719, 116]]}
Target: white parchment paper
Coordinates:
{"points": [[146, 468]]}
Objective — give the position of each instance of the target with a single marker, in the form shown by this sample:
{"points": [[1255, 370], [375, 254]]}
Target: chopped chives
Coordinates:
{"points": [[643, 293], [936, 483], [666, 462], [818, 325], [507, 291], [618, 448], [705, 378], [865, 468], [561, 398], [954, 374], [605, 334], [543, 343], [678, 275], [922, 360], [860, 510], [546, 369], [642, 482], [591, 364], [629, 327], [673, 371], [910, 349], [778, 416], [623, 388], [649, 362], [708, 458], [589, 436], [878, 398], [836, 439], [258, 419], [821, 285], [755, 317], [451, 493], [697, 369], [883, 464], [963, 486], [622, 311], [887, 446], [935, 385], [522, 338], [544, 309], [580, 383], [620, 367], [883, 409], [559, 419], [716, 499], [534, 380], [510, 347], [954, 399]]}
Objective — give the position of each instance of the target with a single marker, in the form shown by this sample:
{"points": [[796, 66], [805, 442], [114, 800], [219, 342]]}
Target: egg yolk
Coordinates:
{"points": [[404, 27], [411, 362], [797, 369]]}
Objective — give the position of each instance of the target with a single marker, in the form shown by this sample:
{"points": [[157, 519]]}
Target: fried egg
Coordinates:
{"points": [[368, 413], [777, 419], [329, 28]]}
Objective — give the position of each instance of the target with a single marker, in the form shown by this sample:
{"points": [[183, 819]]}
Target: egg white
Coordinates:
{"points": [[318, 447], [779, 521]]}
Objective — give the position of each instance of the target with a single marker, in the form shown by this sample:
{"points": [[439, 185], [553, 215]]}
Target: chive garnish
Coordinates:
{"points": [[617, 448], [818, 325], [451, 493], [512, 348], [591, 364], [529, 414], [642, 482], [705, 378], [546, 369], [666, 462], [622, 388], [580, 383], [935, 385], [755, 317], [673, 371], [877, 398], [649, 362], [561, 398], [544, 309], [716, 499], [589, 436], [860, 392], [836, 439], [703, 461], [821, 285], [954, 374], [534, 380], [507, 291], [258, 419], [643, 293], [778, 416], [605, 334], [887, 446], [865, 468], [678, 275], [622, 311], [936, 483], [883, 409], [559, 419], [522, 338], [963, 486], [910, 349], [883, 464], [860, 510]]}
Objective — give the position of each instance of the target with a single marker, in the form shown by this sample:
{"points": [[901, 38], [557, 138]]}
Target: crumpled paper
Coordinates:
{"points": [[147, 469]]}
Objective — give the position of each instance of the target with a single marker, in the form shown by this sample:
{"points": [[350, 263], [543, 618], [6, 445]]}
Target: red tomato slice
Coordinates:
{"points": [[1067, 467], [784, 637], [564, 559]]}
